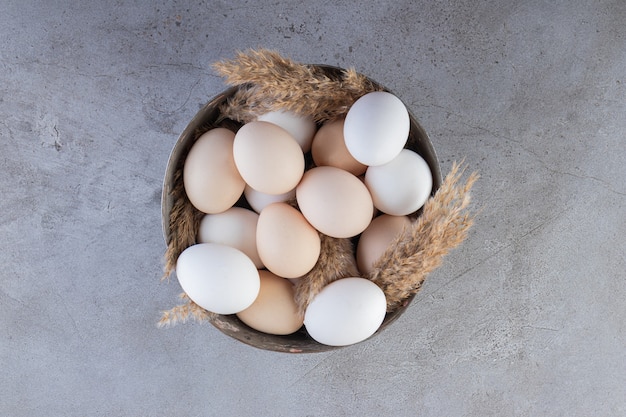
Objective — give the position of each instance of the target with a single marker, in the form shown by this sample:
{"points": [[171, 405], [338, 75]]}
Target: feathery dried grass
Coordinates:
{"points": [[183, 312], [336, 261], [271, 82], [420, 248], [184, 222]]}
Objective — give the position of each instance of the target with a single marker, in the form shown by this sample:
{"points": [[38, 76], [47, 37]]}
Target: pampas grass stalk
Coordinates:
{"points": [[420, 248], [183, 312], [184, 222], [271, 82], [336, 261]]}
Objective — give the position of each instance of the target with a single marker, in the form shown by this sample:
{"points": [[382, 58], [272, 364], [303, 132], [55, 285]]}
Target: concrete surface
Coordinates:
{"points": [[526, 318]]}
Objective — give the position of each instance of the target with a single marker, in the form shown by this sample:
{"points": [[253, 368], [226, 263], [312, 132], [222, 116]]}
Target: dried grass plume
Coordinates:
{"points": [[420, 248], [183, 312], [184, 221], [336, 261], [269, 82]]}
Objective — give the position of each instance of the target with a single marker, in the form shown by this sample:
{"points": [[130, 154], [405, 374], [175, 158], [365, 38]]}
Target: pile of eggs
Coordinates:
{"points": [[362, 184]]}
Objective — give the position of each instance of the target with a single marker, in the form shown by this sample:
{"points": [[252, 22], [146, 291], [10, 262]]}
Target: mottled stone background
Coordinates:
{"points": [[526, 318]]}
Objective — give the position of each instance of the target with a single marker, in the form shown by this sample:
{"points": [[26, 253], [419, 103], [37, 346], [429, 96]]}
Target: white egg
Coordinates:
{"points": [[258, 200], [376, 128], [218, 278], [300, 127], [345, 312], [401, 186], [235, 227]]}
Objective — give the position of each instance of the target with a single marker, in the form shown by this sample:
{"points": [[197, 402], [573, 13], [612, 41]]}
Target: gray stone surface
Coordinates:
{"points": [[526, 318]]}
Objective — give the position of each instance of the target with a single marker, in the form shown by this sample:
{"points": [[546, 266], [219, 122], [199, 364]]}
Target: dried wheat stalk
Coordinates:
{"points": [[183, 312], [270, 82], [336, 261], [184, 223], [420, 248]]}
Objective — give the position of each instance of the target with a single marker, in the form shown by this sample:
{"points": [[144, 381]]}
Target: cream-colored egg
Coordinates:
{"points": [[345, 312], [211, 179], [334, 201], [218, 278], [274, 311], [268, 158], [300, 127], [235, 227], [375, 240], [376, 128], [258, 200], [401, 186], [329, 149], [288, 245]]}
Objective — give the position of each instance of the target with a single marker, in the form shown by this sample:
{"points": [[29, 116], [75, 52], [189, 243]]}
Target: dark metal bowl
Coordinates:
{"points": [[300, 341]]}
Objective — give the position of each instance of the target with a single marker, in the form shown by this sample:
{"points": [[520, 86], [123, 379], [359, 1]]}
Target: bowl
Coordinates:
{"points": [[230, 325]]}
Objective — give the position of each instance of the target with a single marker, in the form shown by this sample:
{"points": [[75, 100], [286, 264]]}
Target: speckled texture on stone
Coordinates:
{"points": [[526, 318]]}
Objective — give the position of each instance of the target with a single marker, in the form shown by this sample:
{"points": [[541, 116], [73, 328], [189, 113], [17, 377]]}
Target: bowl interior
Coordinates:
{"points": [[207, 116]]}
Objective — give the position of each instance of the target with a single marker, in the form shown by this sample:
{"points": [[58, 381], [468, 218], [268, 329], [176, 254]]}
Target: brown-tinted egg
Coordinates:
{"points": [[287, 244], [329, 149], [334, 201], [210, 177], [274, 311], [375, 240], [268, 158]]}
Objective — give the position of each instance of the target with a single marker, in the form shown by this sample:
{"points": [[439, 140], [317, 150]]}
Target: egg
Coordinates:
{"points": [[376, 128], [274, 311], [210, 177], [329, 149], [268, 158], [345, 312], [302, 128], [375, 240], [218, 278], [258, 200], [234, 227], [288, 245], [334, 201], [401, 186]]}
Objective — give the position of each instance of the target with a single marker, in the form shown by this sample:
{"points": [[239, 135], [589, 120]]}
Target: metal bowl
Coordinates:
{"points": [[300, 341]]}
